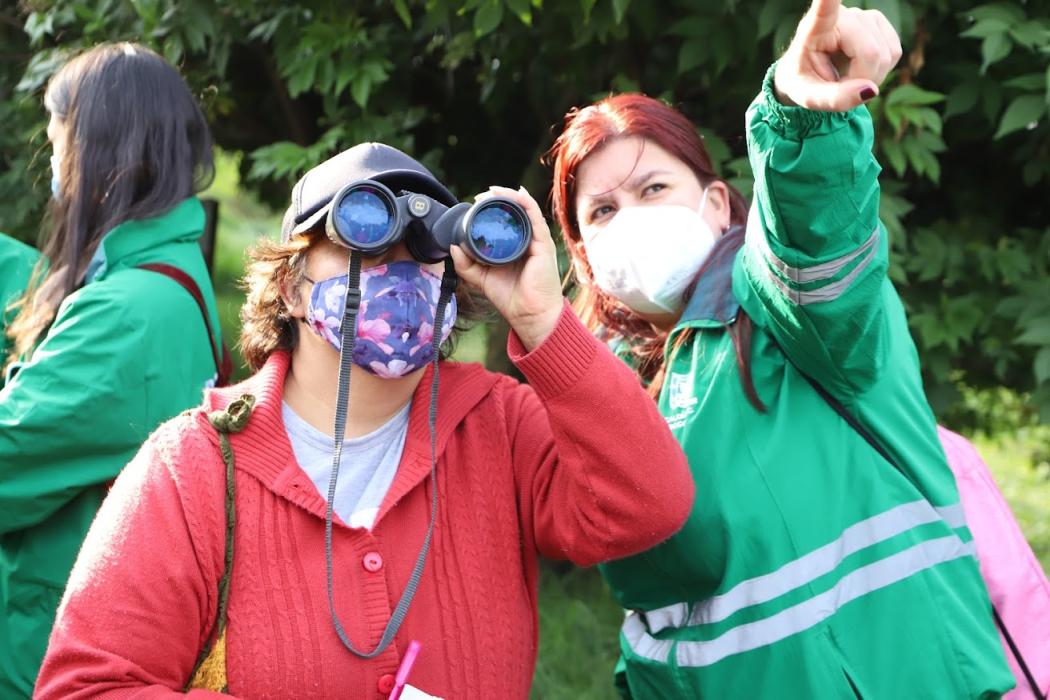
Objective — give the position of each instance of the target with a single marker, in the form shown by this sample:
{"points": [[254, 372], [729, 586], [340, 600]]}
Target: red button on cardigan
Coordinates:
{"points": [[386, 683]]}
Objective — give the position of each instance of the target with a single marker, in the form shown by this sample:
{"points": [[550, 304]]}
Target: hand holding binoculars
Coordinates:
{"points": [[368, 217]]}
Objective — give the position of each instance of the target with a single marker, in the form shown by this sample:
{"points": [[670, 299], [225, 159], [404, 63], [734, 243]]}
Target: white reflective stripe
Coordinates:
{"points": [[805, 615], [817, 563], [755, 237], [828, 292], [953, 515], [834, 290], [676, 615], [641, 643], [805, 569]]}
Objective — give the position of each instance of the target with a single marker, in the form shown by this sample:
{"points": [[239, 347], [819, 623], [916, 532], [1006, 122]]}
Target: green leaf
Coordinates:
{"points": [[895, 155], [891, 9], [993, 49], [401, 8], [1023, 111], [587, 6], [985, 28], [521, 9], [1006, 12], [911, 94], [620, 9], [624, 83], [302, 77], [1037, 333], [1033, 171], [931, 141], [717, 149], [693, 26], [346, 73], [1030, 82], [1042, 365], [1031, 34], [360, 89], [771, 14], [281, 159], [265, 30], [782, 36], [38, 25], [488, 17], [691, 55], [40, 69]]}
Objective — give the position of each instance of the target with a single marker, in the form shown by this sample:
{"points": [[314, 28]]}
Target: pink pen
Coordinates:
{"points": [[403, 670]]}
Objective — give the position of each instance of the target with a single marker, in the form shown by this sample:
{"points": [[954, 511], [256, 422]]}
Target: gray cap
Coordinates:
{"points": [[312, 195]]}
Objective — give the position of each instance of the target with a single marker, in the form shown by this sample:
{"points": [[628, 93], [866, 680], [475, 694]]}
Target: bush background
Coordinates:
{"points": [[476, 89]]}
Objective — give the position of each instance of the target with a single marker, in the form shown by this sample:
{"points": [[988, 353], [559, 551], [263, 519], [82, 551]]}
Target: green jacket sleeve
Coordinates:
{"points": [[813, 268], [16, 267], [70, 417]]}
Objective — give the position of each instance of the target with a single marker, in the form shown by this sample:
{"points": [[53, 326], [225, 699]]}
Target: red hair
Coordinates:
{"points": [[586, 131]]}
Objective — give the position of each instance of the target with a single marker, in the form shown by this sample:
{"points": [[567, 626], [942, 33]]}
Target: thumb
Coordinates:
{"points": [[841, 96]]}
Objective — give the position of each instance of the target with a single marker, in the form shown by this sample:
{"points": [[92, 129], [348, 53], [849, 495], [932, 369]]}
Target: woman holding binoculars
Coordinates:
{"points": [[810, 567], [105, 343], [250, 549]]}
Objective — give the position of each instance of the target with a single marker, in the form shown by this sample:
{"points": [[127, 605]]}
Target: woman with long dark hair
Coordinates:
{"points": [[812, 565], [108, 341]]}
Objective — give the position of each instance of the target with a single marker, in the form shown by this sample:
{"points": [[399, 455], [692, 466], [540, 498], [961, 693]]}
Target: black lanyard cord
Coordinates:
{"points": [[348, 334]]}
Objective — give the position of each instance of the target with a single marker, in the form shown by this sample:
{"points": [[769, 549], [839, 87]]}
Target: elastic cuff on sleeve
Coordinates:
{"points": [[560, 360], [793, 122]]}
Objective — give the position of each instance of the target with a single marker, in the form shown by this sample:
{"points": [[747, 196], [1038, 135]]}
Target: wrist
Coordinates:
{"points": [[533, 329], [778, 93]]}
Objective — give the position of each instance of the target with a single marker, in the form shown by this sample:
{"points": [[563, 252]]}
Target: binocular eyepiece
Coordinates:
{"points": [[368, 217]]}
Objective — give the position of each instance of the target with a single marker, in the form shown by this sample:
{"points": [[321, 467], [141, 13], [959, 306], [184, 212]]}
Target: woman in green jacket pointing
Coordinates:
{"points": [[104, 349], [811, 566]]}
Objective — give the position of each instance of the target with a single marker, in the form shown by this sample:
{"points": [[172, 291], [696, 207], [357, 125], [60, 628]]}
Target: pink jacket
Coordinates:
{"points": [[1016, 582]]}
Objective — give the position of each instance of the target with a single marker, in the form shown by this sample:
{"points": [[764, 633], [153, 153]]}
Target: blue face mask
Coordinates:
{"points": [[56, 177], [395, 323]]}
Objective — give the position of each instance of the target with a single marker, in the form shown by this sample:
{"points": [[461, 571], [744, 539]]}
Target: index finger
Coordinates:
{"points": [[825, 15]]}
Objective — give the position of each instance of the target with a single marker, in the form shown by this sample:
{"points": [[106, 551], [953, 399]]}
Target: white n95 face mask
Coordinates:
{"points": [[646, 256], [56, 177]]}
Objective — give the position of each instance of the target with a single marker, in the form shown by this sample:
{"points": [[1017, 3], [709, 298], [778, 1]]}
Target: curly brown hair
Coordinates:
{"points": [[266, 322]]}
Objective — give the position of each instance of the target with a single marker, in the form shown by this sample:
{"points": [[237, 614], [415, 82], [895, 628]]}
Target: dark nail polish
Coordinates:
{"points": [[866, 94]]}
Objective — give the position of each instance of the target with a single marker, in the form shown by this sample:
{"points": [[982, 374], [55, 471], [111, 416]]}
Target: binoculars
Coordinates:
{"points": [[368, 217]]}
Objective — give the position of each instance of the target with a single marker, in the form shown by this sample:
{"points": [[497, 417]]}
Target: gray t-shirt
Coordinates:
{"points": [[366, 468]]}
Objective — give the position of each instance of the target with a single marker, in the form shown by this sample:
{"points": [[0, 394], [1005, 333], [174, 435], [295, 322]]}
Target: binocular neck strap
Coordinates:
{"points": [[348, 334]]}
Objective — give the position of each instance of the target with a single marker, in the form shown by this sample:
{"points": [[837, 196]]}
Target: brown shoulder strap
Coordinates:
{"points": [[220, 354]]}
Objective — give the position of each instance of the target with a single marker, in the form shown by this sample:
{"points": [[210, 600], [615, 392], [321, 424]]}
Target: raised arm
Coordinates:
{"points": [[815, 259], [601, 476]]}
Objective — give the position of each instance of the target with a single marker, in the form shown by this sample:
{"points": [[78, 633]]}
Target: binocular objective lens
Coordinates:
{"points": [[498, 232], [363, 217]]}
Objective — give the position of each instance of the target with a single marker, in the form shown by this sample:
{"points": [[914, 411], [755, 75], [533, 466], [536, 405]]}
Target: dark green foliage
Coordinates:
{"points": [[477, 88]]}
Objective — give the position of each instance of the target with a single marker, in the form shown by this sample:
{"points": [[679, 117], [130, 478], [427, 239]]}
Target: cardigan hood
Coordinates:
{"points": [[262, 448]]}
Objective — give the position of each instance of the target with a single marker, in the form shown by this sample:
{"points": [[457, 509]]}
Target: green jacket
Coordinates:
{"points": [[16, 266], [126, 352], [810, 567]]}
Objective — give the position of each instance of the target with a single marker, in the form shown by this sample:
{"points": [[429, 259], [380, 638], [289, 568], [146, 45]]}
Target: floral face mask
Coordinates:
{"points": [[395, 323]]}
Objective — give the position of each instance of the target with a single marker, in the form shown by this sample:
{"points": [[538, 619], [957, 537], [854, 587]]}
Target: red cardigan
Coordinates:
{"points": [[578, 465]]}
